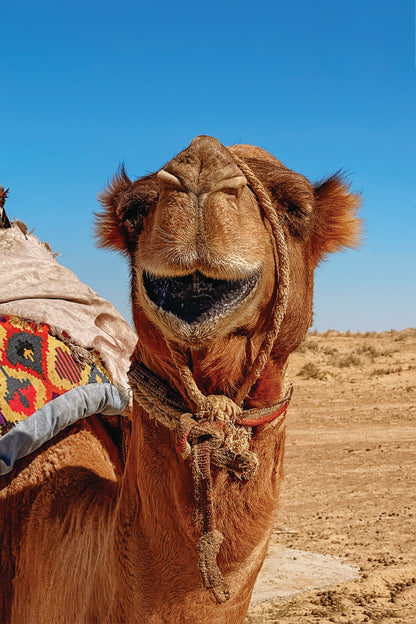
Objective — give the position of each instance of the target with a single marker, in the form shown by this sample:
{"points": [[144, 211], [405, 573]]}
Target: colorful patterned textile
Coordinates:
{"points": [[37, 366]]}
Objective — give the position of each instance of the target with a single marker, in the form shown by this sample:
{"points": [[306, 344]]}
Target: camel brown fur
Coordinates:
{"points": [[87, 539]]}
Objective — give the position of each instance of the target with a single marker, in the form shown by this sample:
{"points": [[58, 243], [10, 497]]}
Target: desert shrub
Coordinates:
{"points": [[307, 345], [379, 372], [330, 333], [372, 352], [311, 371], [348, 360], [333, 351], [369, 350]]}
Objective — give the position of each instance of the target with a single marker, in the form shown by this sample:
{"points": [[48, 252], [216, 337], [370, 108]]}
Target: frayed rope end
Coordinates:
{"points": [[208, 548]]}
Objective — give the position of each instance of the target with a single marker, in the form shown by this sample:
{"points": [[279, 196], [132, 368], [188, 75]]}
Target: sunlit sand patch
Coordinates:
{"points": [[287, 571]]}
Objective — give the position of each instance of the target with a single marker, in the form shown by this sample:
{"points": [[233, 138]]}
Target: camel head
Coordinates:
{"points": [[202, 252]]}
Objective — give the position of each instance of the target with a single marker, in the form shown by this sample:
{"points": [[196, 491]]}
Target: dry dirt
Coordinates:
{"points": [[350, 485]]}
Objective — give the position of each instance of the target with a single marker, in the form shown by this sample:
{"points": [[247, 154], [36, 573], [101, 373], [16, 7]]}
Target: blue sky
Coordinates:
{"points": [[322, 85]]}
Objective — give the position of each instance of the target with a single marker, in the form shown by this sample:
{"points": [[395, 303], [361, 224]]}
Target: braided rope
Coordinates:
{"points": [[185, 374], [282, 282]]}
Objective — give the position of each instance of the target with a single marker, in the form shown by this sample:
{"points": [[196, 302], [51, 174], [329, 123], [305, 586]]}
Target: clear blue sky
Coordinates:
{"points": [[322, 85]]}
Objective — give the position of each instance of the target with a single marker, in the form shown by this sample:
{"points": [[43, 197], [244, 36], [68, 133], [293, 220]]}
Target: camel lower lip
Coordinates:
{"points": [[194, 297]]}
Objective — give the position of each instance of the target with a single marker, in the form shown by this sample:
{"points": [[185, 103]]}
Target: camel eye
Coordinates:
{"points": [[297, 217], [231, 190], [131, 217], [231, 186], [294, 209], [299, 209]]}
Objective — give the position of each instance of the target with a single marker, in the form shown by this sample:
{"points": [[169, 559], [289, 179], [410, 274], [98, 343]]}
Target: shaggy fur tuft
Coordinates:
{"points": [[126, 204], [336, 209]]}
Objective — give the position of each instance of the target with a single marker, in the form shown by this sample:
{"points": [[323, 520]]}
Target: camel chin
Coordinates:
{"points": [[196, 308]]}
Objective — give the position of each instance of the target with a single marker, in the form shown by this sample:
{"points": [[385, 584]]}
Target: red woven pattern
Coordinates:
{"points": [[35, 368]]}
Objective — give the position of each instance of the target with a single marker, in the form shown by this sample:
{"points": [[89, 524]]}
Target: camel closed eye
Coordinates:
{"points": [[232, 186]]}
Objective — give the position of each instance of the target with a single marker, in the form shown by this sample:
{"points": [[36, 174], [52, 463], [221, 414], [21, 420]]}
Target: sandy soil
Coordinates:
{"points": [[350, 485]]}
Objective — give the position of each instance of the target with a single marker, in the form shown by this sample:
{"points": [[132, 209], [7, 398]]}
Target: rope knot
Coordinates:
{"points": [[218, 408], [191, 431]]}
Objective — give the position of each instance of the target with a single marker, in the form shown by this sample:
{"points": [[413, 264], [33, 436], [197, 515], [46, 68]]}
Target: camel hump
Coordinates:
{"points": [[4, 220]]}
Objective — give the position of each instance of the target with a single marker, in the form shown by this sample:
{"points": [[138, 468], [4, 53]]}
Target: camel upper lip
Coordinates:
{"points": [[194, 298]]}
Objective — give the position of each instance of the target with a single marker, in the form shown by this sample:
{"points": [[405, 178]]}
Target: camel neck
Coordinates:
{"points": [[158, 484]]}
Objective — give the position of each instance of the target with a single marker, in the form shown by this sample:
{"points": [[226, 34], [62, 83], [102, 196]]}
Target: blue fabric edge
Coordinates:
{"points": [[80, 402]]}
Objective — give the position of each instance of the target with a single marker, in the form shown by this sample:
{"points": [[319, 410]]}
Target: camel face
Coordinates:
{"points": [[202, 259], [200, 248]]}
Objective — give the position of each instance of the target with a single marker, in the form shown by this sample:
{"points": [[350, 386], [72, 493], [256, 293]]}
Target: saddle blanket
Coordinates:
{"points": [[46, 384]]}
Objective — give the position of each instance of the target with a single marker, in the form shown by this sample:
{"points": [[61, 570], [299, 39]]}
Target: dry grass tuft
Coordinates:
{"points": [[312, 371], [379, 372], [369, 350], [347, 361], [308, 345]]}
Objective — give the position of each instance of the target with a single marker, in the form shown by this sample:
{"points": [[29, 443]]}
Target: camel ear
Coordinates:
{"points": [[337, 224], [125, 204]]}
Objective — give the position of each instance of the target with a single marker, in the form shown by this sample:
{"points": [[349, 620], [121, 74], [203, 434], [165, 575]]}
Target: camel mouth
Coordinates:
{"points": [[195, 298]]}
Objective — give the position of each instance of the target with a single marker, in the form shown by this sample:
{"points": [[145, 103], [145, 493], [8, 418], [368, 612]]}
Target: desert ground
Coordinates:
{"points": [[350, 486]]}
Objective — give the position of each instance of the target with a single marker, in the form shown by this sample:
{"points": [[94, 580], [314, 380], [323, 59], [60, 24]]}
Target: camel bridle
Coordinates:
{"points": [[219, 430]]}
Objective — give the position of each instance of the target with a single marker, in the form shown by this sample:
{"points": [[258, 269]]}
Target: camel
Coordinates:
{"points": [[222, 243]]}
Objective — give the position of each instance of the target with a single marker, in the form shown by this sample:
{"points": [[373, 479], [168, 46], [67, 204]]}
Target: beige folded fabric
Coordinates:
{"points": [[34, 286]]}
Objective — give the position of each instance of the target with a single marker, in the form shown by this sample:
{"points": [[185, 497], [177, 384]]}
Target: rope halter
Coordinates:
{"points": [[219, 430]]}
